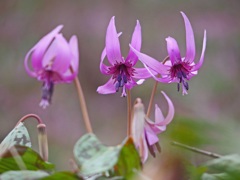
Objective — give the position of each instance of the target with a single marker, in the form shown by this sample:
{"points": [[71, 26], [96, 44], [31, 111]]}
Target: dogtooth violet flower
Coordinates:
{"points": [[53, 60], [144, 131], [122, 71], [177, 68]]}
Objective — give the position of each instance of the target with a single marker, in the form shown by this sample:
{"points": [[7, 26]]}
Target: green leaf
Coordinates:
{"points": [[18, 136], [93, 157], [196, 172], [220, 176], [23, 175], [63, 175], [31, 159], [229, 164], [129, 160]]}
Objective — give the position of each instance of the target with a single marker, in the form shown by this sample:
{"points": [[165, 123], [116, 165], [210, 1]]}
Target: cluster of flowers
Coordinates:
{"points": [[54, 60]]}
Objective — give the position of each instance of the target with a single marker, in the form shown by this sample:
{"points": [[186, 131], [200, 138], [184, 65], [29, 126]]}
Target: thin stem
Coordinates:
{"points": [[154, 91], [200, 151], [129, 107], [151, 98], [39, 120], [83, 105]]}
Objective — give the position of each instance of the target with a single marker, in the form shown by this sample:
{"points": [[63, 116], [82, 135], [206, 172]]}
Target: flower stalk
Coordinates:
{"points": [[129, 107], [39, 120], [42, 135], [83, 104], [154, 92]]}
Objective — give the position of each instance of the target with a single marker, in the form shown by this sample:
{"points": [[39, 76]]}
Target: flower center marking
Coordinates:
{"points": [[179, 71], [121, 75]]}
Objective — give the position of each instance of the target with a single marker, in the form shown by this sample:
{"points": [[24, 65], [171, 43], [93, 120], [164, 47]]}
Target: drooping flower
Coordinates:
{"points": [[122, 71], [53, 60], [145, 132], [177, 68]]}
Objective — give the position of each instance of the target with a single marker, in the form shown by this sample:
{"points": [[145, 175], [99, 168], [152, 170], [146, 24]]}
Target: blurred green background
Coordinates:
{"points": [[210, 110]]}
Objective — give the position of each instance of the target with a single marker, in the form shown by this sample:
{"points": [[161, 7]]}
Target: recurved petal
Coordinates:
{"points": [[163, 80], [142, 73], [73, 44], [190, 42], [151, 136], [40, 48], [173, 50], [72, 72], [112, 43], [58, 56], [130, 84], [136, 42], [107, 88], [38, 51], [170, 114], [104, 68], [199, 64], [151, 62]]}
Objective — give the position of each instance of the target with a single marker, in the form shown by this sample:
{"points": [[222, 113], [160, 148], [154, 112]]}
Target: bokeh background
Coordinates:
{"points": [[207, 117]]}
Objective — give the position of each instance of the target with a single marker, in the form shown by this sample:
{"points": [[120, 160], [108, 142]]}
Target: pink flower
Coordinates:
{"points": [[122, 71], [177, 69], [145, 132], [53, 60]]}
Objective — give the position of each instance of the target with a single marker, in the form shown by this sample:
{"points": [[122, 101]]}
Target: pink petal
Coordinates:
{"points": [[158, 115], [190, 42], [152, 63], [107, 88], [103, 68], [151, 136], [163, 80], [38, 51], [136, 43], [142, 73], [58, 56], [112, 43], [130, 84], [170, 114], [69, 75], [199, 64], [173, 50]]}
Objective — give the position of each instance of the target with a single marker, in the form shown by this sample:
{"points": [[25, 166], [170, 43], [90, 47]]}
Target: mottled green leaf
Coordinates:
{"points": [[23, 175], [93, 157], [229, 164], [18, 136], [220, 176], [31, 159], [62, 175]]}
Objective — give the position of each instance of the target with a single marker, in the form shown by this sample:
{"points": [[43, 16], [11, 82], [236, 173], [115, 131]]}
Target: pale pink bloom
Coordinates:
{"points": [[177, 69], [53, 60], [122, 71], [145, 132]]}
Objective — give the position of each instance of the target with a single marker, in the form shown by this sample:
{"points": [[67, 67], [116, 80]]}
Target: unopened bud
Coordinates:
{"points": [[42, 141]]}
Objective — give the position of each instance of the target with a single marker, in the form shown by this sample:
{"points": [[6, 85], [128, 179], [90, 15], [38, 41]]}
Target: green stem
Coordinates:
{"points": [[194, 149]]}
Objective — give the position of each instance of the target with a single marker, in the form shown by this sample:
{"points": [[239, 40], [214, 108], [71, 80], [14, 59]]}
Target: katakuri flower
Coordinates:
{"points": [[145, 132], [53, 60], [177, 68], [122, 71]]}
